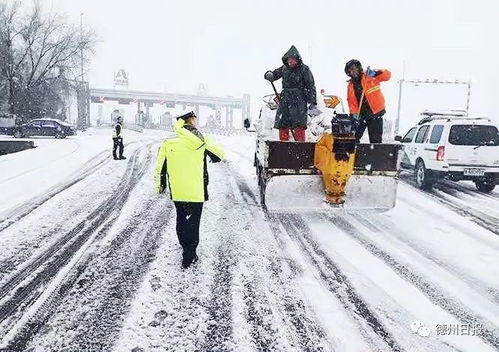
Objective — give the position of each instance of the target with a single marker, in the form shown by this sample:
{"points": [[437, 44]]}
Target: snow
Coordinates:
{"points": [[280, 282], [53, 160]]}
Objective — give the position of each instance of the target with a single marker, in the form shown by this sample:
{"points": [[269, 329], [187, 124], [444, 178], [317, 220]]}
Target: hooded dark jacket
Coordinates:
{"points": [[298, 89]]}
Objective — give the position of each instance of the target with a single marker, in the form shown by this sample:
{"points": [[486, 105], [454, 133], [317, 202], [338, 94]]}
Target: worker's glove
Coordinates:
{"points": [[313, 111], [356, 121], [315, 129], [371, 73], [269, 76], [212, 156], [159, 187]]}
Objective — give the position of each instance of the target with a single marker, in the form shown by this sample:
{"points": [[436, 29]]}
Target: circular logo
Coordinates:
{"points": [[418, 327]]}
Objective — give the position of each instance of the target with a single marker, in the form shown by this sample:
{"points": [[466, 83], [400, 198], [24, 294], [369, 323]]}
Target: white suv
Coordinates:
{"points": [[453, 146]]}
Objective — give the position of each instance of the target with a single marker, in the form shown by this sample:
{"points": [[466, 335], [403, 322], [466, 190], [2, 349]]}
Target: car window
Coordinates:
{"points": [[47, 123], [473, 135], [409, 135], [436, 134], [36, 123], [422, 133]]}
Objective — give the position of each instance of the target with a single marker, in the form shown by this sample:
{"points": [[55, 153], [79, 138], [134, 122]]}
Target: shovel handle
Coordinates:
{"points": [[277, 97]]}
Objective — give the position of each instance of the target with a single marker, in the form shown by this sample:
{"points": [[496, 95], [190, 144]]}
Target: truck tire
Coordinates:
{"points": [[424, 178], [485, 185], [18, 134]]}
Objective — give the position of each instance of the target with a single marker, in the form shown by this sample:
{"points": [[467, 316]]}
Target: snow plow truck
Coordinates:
{"points": [[290, 177]]}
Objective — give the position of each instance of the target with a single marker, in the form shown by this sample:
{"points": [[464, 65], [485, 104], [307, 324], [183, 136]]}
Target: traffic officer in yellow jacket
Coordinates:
{"points": [[181, 168]]}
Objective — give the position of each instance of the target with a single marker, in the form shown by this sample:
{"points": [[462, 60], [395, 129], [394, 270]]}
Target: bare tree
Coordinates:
{"points": [[39, 58]]}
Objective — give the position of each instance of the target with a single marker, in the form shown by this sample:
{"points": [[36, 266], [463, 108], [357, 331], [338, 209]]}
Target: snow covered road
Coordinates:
{"points": [[91, 263]]}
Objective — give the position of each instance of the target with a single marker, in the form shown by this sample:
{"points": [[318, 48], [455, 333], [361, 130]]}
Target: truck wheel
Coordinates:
{"points": [[18, 134], [424, 179], [485, 185]]}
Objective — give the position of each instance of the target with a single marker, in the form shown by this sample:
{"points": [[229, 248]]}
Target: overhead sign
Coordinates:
{"points": [[121, 78], [94, 99]]}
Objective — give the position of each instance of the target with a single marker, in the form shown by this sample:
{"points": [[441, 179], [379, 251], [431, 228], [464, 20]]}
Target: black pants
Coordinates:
{"points": [[188, 220], [374, 126], [118, 144]]}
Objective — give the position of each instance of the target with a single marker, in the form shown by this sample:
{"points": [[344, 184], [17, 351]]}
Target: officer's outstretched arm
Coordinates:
{"points": [[213, 150], [160, 171]]}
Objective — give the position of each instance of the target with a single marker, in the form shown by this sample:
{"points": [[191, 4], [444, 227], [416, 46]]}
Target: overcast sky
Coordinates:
{"points": [[229, 44]]}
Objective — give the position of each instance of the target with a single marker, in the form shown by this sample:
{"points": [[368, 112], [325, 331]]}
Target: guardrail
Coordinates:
{"points": [[13, 146]]}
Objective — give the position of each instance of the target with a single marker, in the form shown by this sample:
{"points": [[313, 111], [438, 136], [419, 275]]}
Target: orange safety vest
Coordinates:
{"points": [[372, 92]]}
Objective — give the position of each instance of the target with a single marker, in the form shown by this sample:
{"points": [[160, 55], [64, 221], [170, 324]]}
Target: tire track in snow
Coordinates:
{"points": [[14, 296], [12, 216], [392, 229], [309, 334], [477, 216], [459, 187], [436, 296], [219, 335], [258, 311], [336, 281], [47, 233], [491, 338], [112, 277], [331, 275]]}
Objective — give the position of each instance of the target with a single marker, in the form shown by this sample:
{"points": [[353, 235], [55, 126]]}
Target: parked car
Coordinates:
{"points": [[45, 127], [7, 123], [455, 147]]}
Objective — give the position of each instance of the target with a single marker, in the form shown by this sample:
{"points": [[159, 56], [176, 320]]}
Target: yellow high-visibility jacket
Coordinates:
{"points": [[181, 164]]}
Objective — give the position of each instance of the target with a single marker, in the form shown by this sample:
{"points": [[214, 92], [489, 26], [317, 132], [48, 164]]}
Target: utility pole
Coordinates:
{"points": [[397, 120]]}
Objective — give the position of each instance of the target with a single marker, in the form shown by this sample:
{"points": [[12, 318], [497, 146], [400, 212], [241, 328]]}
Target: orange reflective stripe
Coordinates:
{"points": [[373, 89]]}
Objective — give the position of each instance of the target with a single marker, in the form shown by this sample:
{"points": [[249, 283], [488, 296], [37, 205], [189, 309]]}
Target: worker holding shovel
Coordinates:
{"points": [[365, 99], [298, 90]]}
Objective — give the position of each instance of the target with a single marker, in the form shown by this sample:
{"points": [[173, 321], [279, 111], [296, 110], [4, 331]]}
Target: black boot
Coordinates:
{"points": [[187, 258]]}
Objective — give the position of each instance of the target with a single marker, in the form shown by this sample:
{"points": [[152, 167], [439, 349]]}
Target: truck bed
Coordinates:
{"points": [[300, 155]]}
